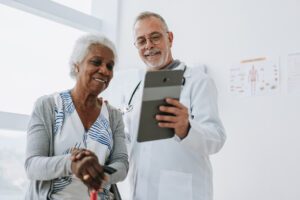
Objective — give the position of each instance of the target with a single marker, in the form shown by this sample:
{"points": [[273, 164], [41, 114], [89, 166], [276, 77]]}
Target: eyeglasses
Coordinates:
{"points": [[154, 38]]}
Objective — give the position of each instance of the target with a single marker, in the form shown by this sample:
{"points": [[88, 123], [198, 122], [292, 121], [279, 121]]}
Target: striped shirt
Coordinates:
{"points": [[69, 133]]}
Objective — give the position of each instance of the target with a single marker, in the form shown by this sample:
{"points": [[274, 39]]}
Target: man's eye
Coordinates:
{"points": [[141, 41], [155, 37], [96, 63]]}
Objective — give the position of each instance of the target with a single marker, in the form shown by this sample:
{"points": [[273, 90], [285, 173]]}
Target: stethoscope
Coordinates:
{"points": [[129, 106]]}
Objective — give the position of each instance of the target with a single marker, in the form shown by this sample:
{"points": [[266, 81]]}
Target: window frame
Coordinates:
{"points": [[58, 13], [61, 14]]}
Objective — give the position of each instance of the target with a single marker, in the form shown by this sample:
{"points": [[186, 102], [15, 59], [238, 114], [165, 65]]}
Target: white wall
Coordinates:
{"points": [[260, 159]]}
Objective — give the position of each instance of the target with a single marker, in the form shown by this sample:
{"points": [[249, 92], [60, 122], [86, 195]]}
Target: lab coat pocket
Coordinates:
{"points": [[175, 185]]}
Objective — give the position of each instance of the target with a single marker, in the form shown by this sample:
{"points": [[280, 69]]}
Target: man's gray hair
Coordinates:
{"points": [[82, 48], [148, 14]]}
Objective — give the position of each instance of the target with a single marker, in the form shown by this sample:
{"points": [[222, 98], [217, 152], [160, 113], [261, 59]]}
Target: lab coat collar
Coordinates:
{"points": [[183, 66]]}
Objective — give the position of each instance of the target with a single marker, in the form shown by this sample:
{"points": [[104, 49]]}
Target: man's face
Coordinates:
{"points": [[153, 42]]}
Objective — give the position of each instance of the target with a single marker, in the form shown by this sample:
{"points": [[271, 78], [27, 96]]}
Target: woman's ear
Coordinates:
{"points": [[76, 68]]}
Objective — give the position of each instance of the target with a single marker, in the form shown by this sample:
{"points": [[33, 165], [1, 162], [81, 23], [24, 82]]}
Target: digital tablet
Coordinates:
{"points": [[158, 85]]}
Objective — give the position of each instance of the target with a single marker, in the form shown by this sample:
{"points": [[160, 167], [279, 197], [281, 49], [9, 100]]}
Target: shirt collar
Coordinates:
{"points": [[182, 66]]}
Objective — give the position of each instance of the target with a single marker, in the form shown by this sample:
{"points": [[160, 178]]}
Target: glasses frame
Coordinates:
{"points": [[150, 40]]}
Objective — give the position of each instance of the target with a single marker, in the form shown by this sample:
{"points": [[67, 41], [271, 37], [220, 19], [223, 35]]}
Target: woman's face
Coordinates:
{"points": [[96, 69]]}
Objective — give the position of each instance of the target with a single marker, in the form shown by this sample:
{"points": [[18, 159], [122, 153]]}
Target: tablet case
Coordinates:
{"points": [[158, 85]]}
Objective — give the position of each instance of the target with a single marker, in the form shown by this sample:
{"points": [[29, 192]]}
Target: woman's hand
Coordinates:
{"points": [[78, 154], [86, 167]]}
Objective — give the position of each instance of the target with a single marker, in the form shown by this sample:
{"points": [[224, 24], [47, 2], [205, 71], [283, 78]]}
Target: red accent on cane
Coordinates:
{"points": [[93, 195]]}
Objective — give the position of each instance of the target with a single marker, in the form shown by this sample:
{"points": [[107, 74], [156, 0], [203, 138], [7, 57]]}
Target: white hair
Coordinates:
{"points": [[82, 48], [148, 14]]}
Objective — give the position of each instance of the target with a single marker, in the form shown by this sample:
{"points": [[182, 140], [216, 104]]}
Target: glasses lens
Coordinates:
{"points": [[155, 38], [140, 42]]}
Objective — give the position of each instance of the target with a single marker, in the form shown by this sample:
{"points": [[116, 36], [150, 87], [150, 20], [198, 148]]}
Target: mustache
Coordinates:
{"points": [[151, 51]]}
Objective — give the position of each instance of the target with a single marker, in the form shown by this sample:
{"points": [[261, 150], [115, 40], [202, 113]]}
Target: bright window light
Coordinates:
{"points": [[34, 62], [34, 58], [13, 180]]}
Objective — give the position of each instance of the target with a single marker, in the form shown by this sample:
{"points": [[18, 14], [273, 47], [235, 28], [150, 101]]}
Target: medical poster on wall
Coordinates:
{"points": [[293, 81], [255, 77]]}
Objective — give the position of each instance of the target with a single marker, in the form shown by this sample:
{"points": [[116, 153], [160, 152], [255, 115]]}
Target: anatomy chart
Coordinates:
{"points": [[254, 77]]}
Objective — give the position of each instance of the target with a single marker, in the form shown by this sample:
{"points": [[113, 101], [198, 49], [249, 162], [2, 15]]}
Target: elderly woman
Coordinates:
{"points": [[73, 134]]}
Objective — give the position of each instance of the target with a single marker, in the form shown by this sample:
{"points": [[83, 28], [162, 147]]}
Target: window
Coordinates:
{"points": [[12, 175], [80, 5], [34, 61]]}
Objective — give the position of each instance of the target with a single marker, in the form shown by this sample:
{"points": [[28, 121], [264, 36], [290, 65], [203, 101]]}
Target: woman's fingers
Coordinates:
{"points": [[96, 175], [85, 166], [78, 154], [90, 171]]}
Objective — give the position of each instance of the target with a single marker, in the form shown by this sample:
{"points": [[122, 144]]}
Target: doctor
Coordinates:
{"points": [[177, 168]]}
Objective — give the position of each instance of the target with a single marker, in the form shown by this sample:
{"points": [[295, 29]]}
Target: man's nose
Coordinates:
{"points": [[149, 44]]}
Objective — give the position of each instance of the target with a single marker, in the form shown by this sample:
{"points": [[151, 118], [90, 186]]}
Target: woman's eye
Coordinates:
{"points": [[96, 63], [110, 66]]}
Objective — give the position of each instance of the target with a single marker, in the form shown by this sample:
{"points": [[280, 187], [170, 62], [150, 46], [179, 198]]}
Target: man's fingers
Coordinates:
{"points": [[174, 102], [166, 118], [166, 125], [169, 109]]}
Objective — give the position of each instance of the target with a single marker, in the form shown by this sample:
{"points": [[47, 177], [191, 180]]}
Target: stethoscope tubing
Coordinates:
{"points": [[138, 85]]}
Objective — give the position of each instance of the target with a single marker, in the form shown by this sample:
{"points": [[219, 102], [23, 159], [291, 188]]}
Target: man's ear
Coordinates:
{"points": [[170, 37]]}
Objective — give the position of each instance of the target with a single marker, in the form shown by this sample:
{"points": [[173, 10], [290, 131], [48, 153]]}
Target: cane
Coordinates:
{"points": [[109, 170], [93, 195]]}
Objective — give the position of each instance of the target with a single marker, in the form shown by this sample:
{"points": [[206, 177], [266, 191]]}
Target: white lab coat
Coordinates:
{"points": [[174, 169]]}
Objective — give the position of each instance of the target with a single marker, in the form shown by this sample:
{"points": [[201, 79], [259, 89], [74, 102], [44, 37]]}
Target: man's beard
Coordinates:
{"points": [[155, 64]]}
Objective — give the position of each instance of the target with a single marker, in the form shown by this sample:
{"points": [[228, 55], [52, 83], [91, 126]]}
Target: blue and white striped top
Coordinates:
{"points": [[69, 132]]}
